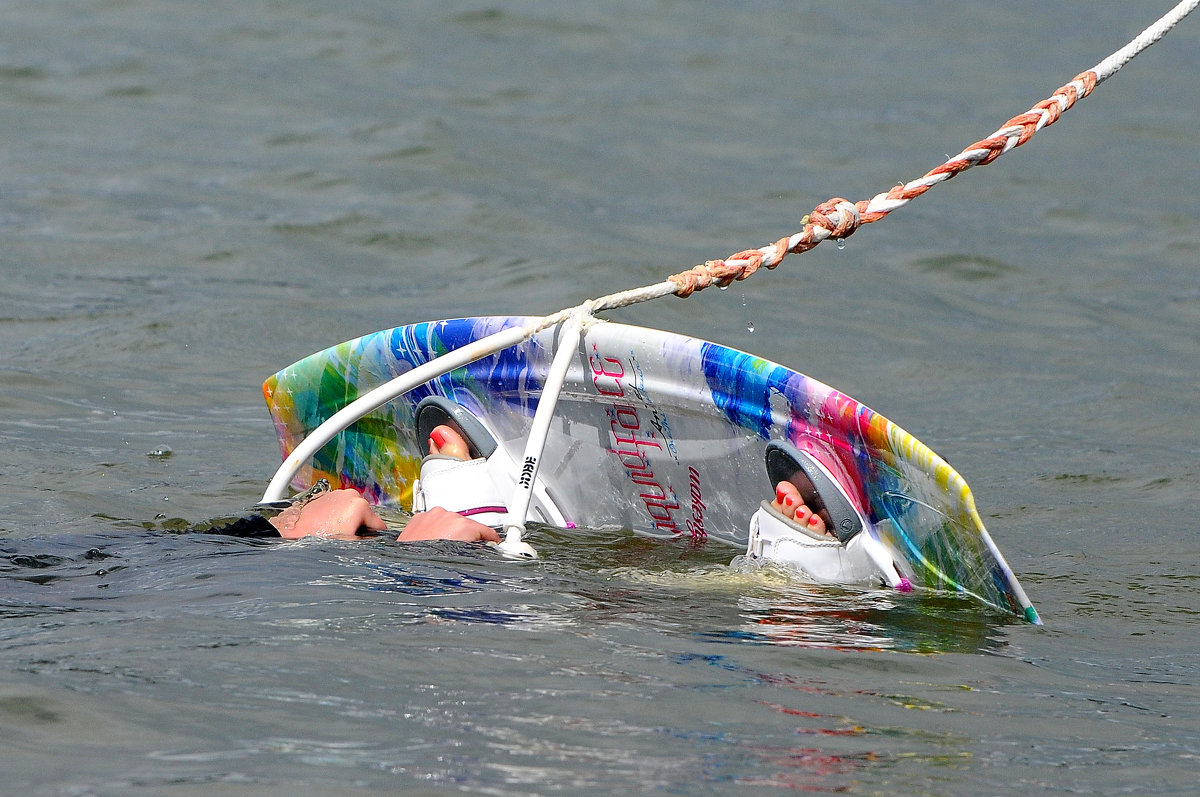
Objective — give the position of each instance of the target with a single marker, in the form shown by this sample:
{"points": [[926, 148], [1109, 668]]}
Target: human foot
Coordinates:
{"points": [[810, 514], [813, 485], [448, 442], [814, 525]]}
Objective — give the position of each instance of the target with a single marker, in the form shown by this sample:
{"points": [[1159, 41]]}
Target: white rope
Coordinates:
{"points": [[1109, 66], [1063, 98]]}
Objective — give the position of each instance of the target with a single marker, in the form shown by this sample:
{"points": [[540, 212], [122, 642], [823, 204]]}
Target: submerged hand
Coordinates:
{"points": [[338, 514], [442, 524]]}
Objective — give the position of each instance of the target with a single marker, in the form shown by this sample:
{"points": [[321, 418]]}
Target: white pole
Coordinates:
{"points": [[568, 343]]}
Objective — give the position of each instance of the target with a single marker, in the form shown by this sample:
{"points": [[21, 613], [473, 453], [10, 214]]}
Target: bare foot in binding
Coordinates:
{"points": [[816, 525]]}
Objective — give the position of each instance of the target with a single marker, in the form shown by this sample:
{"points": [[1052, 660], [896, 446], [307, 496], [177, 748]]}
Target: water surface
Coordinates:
{"points": [[193, 196]]}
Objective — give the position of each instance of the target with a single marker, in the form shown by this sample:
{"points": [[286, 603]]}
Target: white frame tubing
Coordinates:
{"points": [[381, 395], [444, 364], [568, 342]]}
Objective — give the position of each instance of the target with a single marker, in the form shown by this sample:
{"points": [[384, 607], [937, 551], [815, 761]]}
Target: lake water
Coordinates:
{"points": [[194, 195]]}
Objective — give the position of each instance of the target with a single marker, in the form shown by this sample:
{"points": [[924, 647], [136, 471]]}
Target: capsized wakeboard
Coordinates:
{"points": [[656, 432]]}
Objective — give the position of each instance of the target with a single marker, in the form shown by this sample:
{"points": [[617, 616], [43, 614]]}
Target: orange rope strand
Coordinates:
{"points": [[839, 218]]}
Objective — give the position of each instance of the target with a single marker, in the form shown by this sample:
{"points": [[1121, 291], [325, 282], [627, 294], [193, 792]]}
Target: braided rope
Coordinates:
{"points": [[839, 218]]}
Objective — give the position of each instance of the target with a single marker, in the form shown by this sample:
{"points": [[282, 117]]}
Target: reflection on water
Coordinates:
{"points": [[774, 607], [767, 604], [672, 588], [766, 676], [916, 622]]}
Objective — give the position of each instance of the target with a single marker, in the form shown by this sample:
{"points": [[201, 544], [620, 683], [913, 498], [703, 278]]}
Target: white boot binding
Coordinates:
{"points": [[822, 558], [464, 486], [478, 488], [851, 558]]}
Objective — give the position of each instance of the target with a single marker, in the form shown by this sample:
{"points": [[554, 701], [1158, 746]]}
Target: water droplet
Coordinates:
{"points": [[723, 287], [841, 242]]}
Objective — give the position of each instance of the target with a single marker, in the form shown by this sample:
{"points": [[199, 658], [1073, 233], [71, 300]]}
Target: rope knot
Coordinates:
{"points": [[838, 217]]}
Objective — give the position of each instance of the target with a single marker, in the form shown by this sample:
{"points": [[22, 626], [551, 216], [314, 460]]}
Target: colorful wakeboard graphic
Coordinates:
{"points": [[655, 432]]}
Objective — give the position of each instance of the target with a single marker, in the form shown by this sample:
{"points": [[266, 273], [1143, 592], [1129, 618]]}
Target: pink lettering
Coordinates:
{"points": [[662, 494], [643, 477], [664, 508], [632, 440], [627, 416], [601, 371], [631, 459], [631, 449], [695, 524]]}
